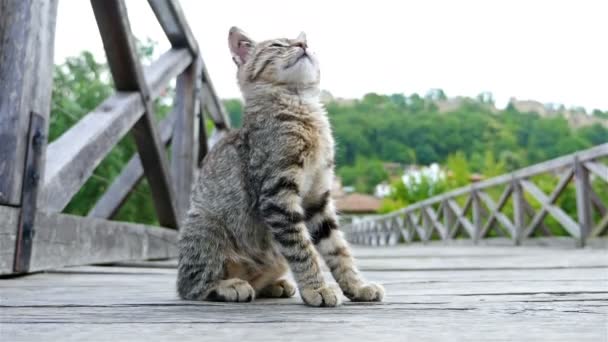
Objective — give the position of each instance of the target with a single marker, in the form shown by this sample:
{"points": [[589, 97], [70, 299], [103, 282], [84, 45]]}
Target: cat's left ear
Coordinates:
{"points": [[301, 37], [240, 45]]}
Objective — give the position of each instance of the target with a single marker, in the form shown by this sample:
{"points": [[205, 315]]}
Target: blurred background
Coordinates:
{"points": [[423, 96]]}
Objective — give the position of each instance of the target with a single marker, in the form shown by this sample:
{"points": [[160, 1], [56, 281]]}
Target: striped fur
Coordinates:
{"points": [[262, 202]]}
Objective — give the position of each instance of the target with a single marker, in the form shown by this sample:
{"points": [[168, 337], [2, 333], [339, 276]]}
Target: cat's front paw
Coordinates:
{"points": [[366, 293], [280, 289], [326, 295], [232, 290]]}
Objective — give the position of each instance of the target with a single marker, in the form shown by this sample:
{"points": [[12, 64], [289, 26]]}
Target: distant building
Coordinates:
{"points": [[382, 190], [414, 174], [357, 204], [529, 106], [351, 204]]}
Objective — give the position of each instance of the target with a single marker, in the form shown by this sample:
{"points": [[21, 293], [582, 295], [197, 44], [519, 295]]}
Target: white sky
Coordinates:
{"points": [[548, 50]]}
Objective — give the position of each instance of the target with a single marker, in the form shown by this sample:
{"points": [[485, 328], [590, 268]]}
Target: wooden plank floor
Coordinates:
{"points": [[435, 293]]}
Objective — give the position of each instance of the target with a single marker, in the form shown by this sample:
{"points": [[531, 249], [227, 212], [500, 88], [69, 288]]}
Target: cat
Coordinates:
{"points": [[262, 202]]}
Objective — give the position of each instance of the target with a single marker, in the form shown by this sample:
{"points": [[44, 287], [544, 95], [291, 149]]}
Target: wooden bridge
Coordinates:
{"points": [[67, 277]]}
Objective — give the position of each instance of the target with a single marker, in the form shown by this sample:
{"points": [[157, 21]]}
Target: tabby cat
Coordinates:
{"points": [[262, 202]]}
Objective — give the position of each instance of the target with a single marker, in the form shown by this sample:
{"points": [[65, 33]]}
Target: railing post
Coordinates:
{"points": [[448, 218], [476, 215], [583, 200], [27, 35], [518, 211]]}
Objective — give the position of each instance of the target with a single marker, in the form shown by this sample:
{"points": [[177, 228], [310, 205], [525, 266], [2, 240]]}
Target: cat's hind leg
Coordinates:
{"points": [[201, 270]]}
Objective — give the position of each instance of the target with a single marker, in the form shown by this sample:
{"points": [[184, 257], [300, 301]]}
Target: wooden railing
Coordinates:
{"points": [[443, 218], [38, 181]]}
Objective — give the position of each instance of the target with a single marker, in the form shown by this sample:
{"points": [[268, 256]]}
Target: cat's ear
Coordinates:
{"points": [[301, 37], [240, 45]]}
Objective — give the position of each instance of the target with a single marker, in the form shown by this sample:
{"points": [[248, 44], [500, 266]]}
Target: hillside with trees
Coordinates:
{"points": [[412, 130], [472, 137]]}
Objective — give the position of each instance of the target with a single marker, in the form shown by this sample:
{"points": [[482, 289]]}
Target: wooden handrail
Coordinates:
{"points": [[28, 205], [580, 165]]}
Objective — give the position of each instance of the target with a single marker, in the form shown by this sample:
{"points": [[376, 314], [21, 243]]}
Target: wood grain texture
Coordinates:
{"points": [[27, 35], [117, 193], [72, 240], [173, 21], [183, 160], [72, 158], [477, 221], [8, 236], [436, 303], [127, 73]]}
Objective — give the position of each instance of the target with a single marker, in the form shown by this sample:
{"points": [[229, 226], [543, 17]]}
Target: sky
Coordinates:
{"points": [[553, 51]]}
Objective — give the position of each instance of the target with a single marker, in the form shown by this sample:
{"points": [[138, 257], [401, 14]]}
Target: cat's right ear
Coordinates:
{"points": [[240, 45]]}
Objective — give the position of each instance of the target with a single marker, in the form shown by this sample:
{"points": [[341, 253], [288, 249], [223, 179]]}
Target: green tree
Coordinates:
{"points": [[365, 174]]}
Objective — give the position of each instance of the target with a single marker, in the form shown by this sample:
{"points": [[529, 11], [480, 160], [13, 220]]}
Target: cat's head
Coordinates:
{"points": [[279, 62]]}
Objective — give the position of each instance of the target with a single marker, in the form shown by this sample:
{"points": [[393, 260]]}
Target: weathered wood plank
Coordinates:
{"points": [[72, 158], [135, 303], [63, 240], [117, 193], [27, 35], [31, 185], [214, 106], [183, 161], [164, 69], [597, 203], [460, 218], [436, 223], [566, 221], [521, 324], [567, 160], [171, 18], [495, 212], [126, 69], [583, 200], [601, 227], [8, 237], [600, 170]]}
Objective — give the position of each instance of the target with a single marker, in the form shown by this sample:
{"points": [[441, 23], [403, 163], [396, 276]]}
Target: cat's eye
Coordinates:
{"points": [[277, 45]]}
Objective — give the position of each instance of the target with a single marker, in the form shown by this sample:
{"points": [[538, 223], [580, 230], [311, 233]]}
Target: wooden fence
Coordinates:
{"points": [[37, 180], [443, 218]]}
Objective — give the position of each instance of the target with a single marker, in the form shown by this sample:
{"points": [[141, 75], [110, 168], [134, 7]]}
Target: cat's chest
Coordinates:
{"points": [[322, 153]]}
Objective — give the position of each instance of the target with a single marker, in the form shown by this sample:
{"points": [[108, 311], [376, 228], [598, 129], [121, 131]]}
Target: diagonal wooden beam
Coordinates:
{"points": [[126, 69], [215, 108], [171, 18], [72, 158], [600, 228], [597, 202], [540, 216], [600, 170], [415, 222], [495, 211], [436, 223], [530, 213], [120, 189], [502, 201], [461, 218], [566, 221]]}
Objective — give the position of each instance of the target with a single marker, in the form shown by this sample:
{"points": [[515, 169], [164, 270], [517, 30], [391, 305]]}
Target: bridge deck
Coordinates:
{"points": [[434, 293]]}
